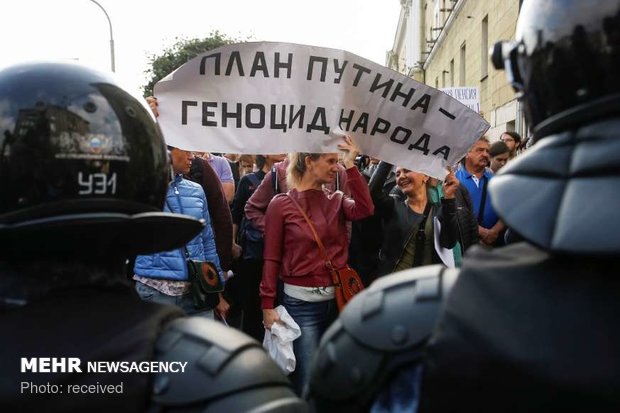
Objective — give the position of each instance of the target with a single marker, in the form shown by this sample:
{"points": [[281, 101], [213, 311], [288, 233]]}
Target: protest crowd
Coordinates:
{"points": [[462, 286]]}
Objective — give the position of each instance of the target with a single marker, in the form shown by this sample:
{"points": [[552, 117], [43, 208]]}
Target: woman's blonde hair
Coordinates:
{"points": [[297, 167]]}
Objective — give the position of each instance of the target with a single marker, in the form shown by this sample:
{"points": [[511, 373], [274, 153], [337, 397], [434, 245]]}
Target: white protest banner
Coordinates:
{"points": [[467, 95], [263, 97]]}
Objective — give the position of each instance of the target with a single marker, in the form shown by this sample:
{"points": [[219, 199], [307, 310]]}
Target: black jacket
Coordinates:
{"points": [[467, 224], [400, 223]]}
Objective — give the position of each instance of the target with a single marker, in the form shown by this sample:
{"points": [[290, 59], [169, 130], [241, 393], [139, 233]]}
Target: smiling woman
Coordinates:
{"points": [[410, 226]]}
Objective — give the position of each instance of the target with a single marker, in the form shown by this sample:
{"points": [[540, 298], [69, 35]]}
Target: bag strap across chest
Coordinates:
{"points": [[328, 262]]}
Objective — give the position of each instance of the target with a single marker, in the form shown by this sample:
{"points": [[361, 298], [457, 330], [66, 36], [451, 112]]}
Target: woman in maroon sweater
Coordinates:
{"points": [[291, 252]]}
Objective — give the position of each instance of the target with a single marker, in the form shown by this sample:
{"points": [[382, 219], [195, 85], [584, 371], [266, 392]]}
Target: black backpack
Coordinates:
{"points": [[251, 237]]}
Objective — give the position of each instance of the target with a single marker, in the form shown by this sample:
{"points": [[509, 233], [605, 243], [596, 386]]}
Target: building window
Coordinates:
{"points": [[452, 73], [437, 82], [462, 71], [484, 49], [443, 78]]}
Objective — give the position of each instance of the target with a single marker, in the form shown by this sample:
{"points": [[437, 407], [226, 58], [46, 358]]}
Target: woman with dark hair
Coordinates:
{"points": [[410, 223], [513, 141], [291, 253], [499, 153]]}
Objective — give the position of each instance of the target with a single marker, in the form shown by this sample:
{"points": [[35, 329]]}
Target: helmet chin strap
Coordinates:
{"points": [[598, 109]]}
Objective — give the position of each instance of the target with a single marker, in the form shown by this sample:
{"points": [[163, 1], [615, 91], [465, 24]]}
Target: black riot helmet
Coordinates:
{"points": [[566, 54], [83, 166]]}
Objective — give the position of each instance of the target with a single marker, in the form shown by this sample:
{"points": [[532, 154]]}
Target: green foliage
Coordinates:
{"points": [[178, 54]]}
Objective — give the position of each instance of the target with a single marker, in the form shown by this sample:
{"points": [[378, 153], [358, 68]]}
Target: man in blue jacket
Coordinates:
{"points": [[475, 176], [162, 277]]}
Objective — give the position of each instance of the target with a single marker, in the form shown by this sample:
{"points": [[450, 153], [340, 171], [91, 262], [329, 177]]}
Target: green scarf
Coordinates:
{"points": [[435, 194]]}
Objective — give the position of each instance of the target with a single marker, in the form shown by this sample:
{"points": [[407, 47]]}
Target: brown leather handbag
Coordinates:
{"points": [[346, 280]]}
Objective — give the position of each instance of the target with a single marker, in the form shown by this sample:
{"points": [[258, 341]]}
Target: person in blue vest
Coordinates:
{"points": [[162, 277]]}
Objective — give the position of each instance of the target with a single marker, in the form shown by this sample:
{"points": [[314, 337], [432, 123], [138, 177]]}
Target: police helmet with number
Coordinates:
{"points": [[83, 166], [566, 54]]}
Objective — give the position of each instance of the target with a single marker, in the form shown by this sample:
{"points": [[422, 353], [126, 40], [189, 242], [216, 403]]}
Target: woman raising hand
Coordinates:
{"points": [[291, 252]]}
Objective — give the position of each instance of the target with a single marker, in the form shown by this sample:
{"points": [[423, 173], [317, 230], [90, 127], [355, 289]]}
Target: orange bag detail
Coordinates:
{"points": [[347, 283]]}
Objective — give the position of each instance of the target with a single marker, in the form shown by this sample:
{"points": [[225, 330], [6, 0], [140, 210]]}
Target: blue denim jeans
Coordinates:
{"points": [[147, 293], [313, 319]]}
